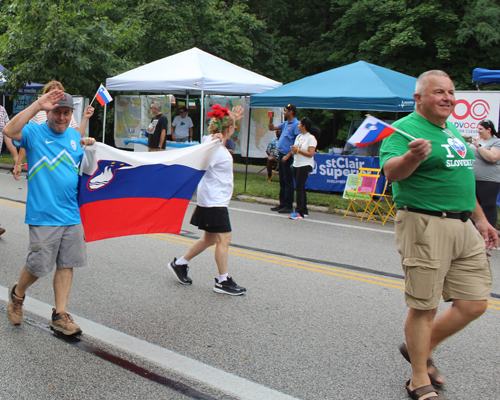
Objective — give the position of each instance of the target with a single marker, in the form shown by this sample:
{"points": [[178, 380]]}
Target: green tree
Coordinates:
{"points": [[414, 36], [75, 42], [225, 29]]}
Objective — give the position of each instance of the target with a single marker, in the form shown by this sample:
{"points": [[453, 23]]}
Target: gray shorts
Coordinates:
{"points": [[63, 246]]}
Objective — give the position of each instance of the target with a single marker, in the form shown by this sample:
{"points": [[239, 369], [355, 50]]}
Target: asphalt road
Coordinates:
{"points": [[322, 318]]}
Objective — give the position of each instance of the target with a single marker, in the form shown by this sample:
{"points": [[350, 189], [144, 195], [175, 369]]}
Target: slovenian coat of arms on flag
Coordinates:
{"points": [[103, 96], [373, 130], [125, 193]]}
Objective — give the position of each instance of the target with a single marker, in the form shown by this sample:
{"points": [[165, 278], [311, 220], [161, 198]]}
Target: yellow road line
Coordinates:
{"points": [[303, 265], [292, 263], [282, 261], [13, 204]]}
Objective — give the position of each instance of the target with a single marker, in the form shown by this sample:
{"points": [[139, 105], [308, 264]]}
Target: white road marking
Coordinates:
{"points": [[226, 382], [308, 220]]}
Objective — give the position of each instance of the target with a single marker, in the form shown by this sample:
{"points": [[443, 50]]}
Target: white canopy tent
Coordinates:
{"points": [[192, 71]]}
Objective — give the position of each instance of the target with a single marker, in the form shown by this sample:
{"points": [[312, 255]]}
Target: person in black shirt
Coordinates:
{"points": [[157, 129]]}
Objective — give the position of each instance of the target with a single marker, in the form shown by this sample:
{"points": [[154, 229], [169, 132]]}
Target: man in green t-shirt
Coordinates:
{"points": [[442, 253]]}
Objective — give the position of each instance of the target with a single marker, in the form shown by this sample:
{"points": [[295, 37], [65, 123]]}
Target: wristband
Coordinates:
{"points": [[298, 151]]}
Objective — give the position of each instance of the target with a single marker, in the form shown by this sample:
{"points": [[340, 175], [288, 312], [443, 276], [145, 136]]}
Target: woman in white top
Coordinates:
{"points": [[211, 214], [41, 117], [303, 162], [486, 148]]}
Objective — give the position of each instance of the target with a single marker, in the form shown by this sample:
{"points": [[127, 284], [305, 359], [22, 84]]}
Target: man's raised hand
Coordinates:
{"points": [[49, 100]]}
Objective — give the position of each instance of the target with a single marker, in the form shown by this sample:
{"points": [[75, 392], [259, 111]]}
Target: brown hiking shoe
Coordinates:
{"points": [[63, 322], [2, 231], [15, 307]]}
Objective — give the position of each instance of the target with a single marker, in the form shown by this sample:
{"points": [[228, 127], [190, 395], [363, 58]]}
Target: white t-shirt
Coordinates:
{"points": [[304, 141], [182, 126], [216, 187]]}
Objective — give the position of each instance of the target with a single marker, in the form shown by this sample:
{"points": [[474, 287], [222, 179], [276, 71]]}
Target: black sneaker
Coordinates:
{"points": [[228, 287], [277, 208], [180, 272], [285, 210]]}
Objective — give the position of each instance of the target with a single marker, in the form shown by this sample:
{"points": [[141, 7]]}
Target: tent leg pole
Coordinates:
{"points": [[104, 123], [248, 146], [202, 120]]}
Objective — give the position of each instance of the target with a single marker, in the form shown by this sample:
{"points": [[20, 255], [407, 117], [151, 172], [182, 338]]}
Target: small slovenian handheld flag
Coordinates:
{"points": [[370, 131], [103, 96]]}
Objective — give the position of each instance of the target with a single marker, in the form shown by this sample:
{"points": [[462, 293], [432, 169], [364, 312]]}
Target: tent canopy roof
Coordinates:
{"points": [[357, 86], [30, 88], [485, 75], [191, 71]]}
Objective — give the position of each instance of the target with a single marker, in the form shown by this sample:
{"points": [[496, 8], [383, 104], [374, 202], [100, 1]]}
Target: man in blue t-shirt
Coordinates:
{"points": [[54, 153], [289, 131]]}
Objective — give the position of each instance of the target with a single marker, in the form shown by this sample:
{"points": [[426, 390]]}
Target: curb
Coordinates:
{"points": [[323, 209], [272, 202]]}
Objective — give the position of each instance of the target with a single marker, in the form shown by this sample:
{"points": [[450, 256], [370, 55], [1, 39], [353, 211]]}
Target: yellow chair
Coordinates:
{"points": [[275, 172], [379, 205], [361, 199]]}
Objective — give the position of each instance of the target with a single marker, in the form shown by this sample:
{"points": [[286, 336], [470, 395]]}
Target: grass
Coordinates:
{"points": [[6, 158], [257, 186]]}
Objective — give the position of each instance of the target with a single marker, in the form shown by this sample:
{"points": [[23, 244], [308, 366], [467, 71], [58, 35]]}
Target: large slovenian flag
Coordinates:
{"points": [[125, 193], [103, 96], [370, 131]]}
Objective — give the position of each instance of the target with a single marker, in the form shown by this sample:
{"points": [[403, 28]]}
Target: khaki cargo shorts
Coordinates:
{"points": [[441, 257]]}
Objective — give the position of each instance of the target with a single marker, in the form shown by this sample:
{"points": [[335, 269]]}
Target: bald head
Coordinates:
{"points": [[423, 79], [435, 96]]}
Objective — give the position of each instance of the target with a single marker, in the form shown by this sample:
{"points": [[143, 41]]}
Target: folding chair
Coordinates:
{"points": [[379, 205], [275, 172], [361, 199]]}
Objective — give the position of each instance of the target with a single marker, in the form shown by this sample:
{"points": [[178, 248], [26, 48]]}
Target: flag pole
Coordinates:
{"points": [[104, 123], [405, 134], [95, 95]]}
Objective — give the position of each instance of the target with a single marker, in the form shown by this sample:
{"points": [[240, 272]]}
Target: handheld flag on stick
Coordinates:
{"points": [[102, 96], [373, 130]]}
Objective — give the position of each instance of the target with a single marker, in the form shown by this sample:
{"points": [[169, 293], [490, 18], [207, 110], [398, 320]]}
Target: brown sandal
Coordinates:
{"points": [[403, 349], [422, 391]]}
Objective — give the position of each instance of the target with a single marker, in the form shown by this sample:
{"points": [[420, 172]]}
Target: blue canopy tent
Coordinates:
{"points": [[358, 86], [29, 89], [485, 77]]}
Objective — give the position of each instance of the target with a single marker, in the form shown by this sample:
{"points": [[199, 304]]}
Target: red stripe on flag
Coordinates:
{"points": [[388, 131], [100, 100], [132, 216]]}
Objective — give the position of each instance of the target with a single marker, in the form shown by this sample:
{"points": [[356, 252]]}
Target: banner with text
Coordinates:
{"points": [[472, 107], [330, 172]]}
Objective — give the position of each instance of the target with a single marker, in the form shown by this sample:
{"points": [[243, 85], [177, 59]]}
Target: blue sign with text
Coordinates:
{"points": [[330, 171]]}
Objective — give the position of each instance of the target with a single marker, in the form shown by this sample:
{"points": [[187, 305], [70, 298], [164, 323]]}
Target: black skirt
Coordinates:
{"points": [[211, 219]]}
